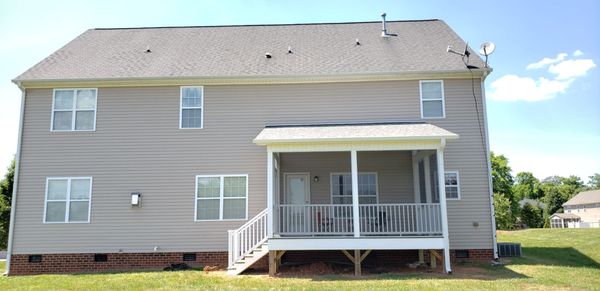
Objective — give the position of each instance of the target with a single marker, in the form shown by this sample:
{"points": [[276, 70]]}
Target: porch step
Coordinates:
{"points": [[248, 260]]}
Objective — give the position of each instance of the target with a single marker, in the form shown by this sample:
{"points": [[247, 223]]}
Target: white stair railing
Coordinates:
{"points": [[245, 239]]}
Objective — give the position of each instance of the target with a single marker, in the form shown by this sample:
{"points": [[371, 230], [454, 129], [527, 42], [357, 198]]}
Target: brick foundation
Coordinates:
{"points": [[78, 263]]}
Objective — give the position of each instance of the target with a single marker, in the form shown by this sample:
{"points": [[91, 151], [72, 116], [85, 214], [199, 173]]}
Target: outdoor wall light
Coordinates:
{"points": [[316, 179], [136, 199]]}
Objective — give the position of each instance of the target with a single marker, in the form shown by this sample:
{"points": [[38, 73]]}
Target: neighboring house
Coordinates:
{"points": [[583, 210], [218, 145]]}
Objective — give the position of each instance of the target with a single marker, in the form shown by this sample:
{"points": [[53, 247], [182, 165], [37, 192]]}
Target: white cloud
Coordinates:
{"points": [[547, 61], [571, 68], [515, 88], [565, 71]]}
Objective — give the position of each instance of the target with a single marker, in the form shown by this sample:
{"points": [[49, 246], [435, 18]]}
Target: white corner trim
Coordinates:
{"points": [[13, 207], [489, 169]]}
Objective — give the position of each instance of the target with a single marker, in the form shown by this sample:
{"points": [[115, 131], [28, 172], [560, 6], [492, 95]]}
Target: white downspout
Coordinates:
{"points": [[443, 207], [13, 206], [489, 168]]}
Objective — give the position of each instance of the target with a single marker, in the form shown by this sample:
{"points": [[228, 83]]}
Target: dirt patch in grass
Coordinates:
{"points": [[332, 268]]}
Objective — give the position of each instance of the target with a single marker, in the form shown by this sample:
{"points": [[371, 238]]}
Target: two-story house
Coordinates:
{"points": [[141, 147]]}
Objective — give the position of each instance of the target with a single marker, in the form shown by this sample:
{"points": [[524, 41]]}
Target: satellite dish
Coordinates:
{"points": [[487, 48]]}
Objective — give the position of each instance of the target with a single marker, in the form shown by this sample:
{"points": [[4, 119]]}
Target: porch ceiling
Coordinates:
{"points": [[372, 132]]}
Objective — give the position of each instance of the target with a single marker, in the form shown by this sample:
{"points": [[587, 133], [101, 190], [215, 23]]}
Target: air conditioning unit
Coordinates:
{"points": [[509, 249]]}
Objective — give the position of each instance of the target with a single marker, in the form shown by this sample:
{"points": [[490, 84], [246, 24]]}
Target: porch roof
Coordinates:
{"points": [[565, 216], [390, 131]]}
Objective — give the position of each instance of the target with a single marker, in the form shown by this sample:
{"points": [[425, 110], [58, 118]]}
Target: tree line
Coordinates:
{"points": [[525, 201]]}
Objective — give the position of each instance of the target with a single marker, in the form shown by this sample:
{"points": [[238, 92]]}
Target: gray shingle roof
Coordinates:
{"points": [[239, 51], [566, 216], [586, 197], [352, 132]]}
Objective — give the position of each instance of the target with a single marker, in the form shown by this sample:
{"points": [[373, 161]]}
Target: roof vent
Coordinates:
{"points": [[357, 42], [383, 26], [148, 49], [289, 49], [268, 55]]}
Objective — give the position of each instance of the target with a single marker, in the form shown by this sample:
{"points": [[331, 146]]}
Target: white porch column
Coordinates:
{"points": [[270, 198], [444, 214], [355, 208]]}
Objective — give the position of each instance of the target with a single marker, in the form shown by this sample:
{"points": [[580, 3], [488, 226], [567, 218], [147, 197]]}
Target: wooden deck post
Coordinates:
{"points": [[357, 260], [421, 257], [272, 263], [432, 259], [357, 263]]}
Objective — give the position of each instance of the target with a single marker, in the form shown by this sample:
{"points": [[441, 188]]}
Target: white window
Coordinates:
{"points": [[341, 188], [68, 200], [192, 113], [452, 185], [221, 197], [74, 110], [432, 99]]}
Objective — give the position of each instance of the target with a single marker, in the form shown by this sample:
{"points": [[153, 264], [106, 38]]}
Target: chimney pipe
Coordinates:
{"points": [[383, 26]]}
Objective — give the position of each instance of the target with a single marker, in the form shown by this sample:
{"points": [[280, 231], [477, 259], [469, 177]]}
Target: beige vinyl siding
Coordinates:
{"points": [[138, 147]]}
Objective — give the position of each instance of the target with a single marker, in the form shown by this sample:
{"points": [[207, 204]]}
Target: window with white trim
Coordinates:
{"points": [[221, 197], [74, 110], [452, 185], [68, 200], [191, 112], [432, 99], [341, 188]]}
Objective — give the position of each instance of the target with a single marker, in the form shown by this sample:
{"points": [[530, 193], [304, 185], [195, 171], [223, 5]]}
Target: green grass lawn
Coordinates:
{"points": [[554, 259]]}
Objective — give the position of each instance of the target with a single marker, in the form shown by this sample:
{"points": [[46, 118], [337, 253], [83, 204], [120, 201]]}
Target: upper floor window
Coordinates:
{"points": [[452, 185], [341, 188], [191, 110], [68, 200], [432, 99], [221, 197], [74, 110]]}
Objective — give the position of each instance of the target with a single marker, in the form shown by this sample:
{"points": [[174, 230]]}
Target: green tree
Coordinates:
{"points": [[554, 198], [6, 189], [532, 216], [594, 182], [526, 186], [503, 212], [502, 180]]}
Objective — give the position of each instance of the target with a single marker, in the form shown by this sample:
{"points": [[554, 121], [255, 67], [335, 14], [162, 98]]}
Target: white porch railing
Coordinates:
{"points": [[246, 238], [315, 219], [375, 219], [401, 219]]}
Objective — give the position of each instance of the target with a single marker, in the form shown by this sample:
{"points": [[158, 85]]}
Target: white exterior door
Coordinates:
{"points": [[297, 193]]}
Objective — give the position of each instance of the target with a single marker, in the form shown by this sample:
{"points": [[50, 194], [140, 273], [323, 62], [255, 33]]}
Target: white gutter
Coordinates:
{"points": [[231, 80], [489, 167], [13, 206]]}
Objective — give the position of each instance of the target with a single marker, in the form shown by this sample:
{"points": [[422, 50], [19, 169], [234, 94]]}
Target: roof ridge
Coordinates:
{"points": [[254, 25]]}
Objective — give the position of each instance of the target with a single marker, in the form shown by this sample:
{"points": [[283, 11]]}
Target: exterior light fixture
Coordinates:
{"points": [[136, 199], [316, 179]]}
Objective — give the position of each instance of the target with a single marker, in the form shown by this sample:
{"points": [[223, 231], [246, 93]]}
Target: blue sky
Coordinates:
{"points": [[545, 118]]}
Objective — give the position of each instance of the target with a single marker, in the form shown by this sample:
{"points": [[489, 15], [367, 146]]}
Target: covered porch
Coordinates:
{"points": [[356, 187], [397, 192]]}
